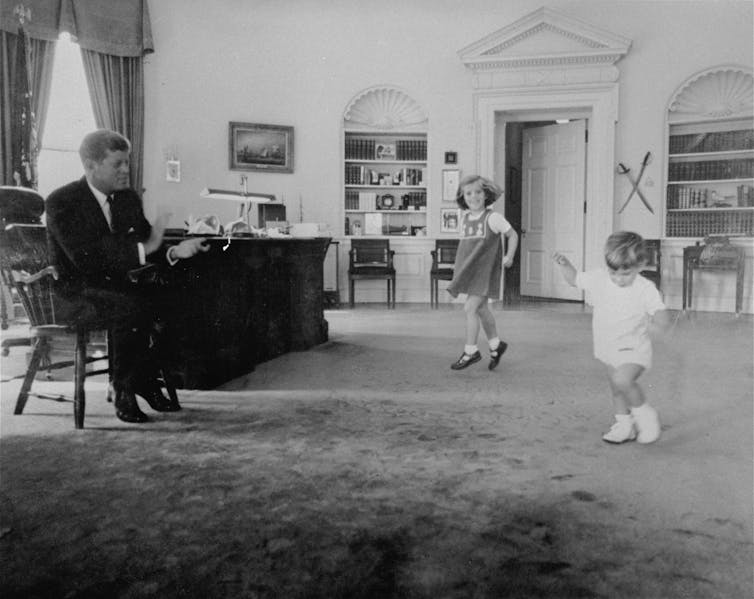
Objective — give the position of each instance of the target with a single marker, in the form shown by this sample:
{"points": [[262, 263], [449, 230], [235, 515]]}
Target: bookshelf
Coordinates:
{"points": [[710, 178], [385, 183]]}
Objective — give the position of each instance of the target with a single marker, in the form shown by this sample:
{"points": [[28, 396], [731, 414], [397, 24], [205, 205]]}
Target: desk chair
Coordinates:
{"points": [[652, 270], [371, 259], [25, 262], [443, 261], [714, 255], [17, 205]]}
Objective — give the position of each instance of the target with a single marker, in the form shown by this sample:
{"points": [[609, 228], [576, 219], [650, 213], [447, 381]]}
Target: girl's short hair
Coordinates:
{"points": [[491, 190], [625, 249]]}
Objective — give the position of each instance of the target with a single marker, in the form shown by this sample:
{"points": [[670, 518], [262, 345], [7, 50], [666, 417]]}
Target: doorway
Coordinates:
{"points": [[544, 162]]}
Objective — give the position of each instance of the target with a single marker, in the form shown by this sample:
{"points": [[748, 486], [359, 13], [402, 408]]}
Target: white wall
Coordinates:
{"points": [[299, 63]]}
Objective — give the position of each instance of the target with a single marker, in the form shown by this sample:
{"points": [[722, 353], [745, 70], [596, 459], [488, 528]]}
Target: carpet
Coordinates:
{"points": [[366, 468]]}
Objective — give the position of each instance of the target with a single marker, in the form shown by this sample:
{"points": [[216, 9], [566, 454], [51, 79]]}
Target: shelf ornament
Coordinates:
{"points": [[384, 108], [720, 92]]}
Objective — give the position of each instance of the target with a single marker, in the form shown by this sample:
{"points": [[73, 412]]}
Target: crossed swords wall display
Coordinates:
{"points": [[624, 170]]}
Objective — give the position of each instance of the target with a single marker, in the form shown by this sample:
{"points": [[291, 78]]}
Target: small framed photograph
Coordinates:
{"points": [[255, 147], [384, 151], [372, 223], [450, 178], [173, 171], [451, 220], [451, 157]]}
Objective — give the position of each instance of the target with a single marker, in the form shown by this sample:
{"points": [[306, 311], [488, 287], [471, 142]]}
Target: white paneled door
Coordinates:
{"points": [[552, 210]]}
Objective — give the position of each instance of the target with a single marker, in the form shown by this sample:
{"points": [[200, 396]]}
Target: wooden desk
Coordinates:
{"points": [[692, 262], [244, 303]]}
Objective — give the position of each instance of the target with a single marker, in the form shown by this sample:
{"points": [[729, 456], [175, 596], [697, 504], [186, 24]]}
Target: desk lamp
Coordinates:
{"points": [[245, 198]]}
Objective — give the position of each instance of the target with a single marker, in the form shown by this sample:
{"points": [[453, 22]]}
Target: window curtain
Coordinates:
{"points": [[113, 36], [116, 87], [25, 79]]}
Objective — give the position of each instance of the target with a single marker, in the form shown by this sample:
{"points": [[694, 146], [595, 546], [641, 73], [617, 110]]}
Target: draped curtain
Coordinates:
{"points": [[16, 137], [116, 87], [113, 36]]}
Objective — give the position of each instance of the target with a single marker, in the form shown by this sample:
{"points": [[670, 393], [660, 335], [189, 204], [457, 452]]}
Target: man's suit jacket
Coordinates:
{"points": [[84, 249]]}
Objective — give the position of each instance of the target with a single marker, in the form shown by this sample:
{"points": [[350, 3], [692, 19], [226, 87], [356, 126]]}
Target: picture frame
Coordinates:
{"points": [[383, 151], [451, 157], [450, 220], [173, 171], [450, 179], [257, 147]]}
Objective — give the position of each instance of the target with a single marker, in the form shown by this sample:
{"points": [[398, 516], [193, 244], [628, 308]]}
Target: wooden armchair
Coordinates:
{"points": [[25, 262], [717, 254], [443, 261], [371, 259], [652, 270], [17, 205]]}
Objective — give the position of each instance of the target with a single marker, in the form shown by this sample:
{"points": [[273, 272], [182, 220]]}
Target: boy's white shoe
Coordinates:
{"points": [[647, 423], [621, 431]]}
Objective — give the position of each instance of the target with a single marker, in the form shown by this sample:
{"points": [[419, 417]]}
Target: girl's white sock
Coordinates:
{"points": [[470, 349]]}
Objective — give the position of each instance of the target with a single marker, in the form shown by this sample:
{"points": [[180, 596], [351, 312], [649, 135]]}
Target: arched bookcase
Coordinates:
{"points": [[710, 144], [384, 164]]}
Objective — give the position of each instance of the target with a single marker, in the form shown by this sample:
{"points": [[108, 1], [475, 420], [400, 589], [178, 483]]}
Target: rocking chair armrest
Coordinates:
{"points": [[144, 274], [48, 271]]}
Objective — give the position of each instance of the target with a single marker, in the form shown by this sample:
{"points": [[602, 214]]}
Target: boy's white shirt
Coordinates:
{"points": [[621, 314]]}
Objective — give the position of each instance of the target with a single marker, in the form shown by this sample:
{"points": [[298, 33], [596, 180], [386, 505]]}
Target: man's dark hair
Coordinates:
{"points": [[96, 144]]}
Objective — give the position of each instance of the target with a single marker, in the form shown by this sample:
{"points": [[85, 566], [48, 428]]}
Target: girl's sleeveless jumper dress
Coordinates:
{"points": [[479, 259]]}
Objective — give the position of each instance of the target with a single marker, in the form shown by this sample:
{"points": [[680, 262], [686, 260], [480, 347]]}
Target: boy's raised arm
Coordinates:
{"points": [[569, 272]]}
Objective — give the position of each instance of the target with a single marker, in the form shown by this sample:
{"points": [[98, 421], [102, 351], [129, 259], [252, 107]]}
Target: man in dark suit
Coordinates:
{"points": [[97, 233]]}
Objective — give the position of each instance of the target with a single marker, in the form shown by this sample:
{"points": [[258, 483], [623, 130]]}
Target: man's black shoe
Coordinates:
{"points": [[496, 354], [126, 408], [152, 393]]}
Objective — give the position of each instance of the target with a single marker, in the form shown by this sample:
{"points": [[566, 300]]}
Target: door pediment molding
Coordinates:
{"points": [[544, 41], [550, 62]]}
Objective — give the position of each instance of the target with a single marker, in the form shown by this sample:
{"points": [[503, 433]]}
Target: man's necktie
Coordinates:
{"points": [[113, 214]]}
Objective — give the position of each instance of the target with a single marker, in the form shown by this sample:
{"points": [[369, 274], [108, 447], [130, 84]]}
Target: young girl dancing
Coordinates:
{"points": [[625, 304], [478, 266]]}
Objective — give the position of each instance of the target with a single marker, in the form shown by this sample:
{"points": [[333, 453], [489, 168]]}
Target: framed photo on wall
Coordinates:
{"points": [[451, 220], [450, 178], [173, 171], [255, 147]]}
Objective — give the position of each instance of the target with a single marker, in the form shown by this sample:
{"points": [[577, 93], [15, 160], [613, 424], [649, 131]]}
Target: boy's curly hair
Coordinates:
{"points": [[625, 249], [491, 190]]}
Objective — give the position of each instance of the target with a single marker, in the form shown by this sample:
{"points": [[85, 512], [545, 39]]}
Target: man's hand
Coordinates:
{"points": [[188, 248]]}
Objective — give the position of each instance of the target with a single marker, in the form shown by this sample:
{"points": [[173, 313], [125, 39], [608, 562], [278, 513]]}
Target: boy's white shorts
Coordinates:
{"points": [[617, 356]]}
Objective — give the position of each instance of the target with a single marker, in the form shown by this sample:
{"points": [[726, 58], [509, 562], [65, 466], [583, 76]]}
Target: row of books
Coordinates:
{"points": [[717, 141], [368, 200], [361, 175], [681, 197], [700, 224], [359, 148], [706, 170]]}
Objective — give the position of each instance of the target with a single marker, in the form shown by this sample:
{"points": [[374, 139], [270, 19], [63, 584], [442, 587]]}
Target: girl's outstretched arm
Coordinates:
{"points": [[569, 272], [512, 245]]}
